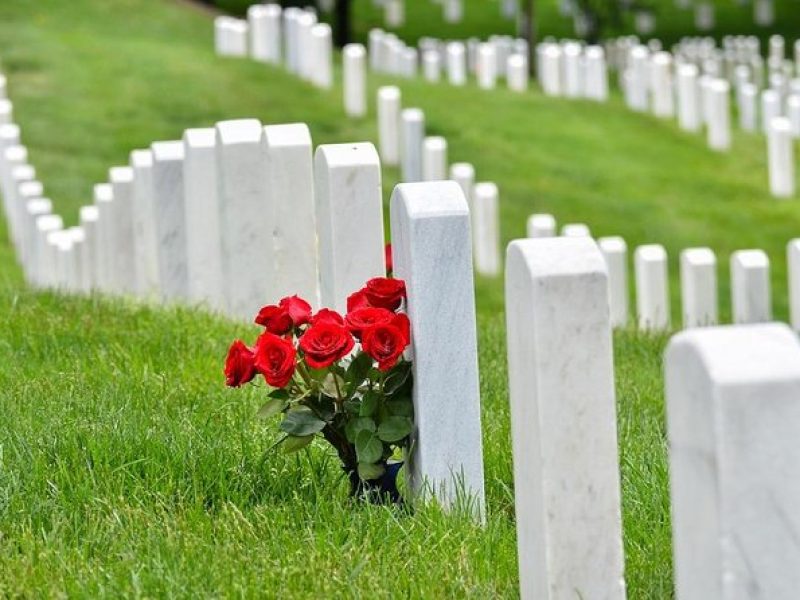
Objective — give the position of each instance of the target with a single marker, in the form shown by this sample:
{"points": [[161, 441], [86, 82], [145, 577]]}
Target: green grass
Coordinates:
{"points": [[126, 469]]}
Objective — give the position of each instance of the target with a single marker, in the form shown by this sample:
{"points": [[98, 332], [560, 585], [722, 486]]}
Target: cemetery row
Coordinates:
{"points": [[241, 213]]}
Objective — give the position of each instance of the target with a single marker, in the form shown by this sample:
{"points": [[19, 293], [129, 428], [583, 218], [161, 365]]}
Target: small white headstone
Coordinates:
{"points": [[412, 135], [354, 67], [541, 226], [486, 228], [751, 297], [389, 124], [699, 287], [434, 159], [652, 287], [615, 252]]}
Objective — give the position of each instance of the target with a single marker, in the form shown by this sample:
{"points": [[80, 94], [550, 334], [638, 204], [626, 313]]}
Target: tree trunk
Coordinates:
{"points": [[342, 23], [529, 33]]}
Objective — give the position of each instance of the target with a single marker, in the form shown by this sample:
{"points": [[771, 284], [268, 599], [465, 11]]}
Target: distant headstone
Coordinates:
{"points": [[751, 300], [699, 287]]}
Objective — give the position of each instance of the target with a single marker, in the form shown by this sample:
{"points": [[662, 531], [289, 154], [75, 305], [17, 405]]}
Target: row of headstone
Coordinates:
{"points": [[238, 215], [273, 35], [733, 420], [751, 296], [403, 142], [572, 70]]}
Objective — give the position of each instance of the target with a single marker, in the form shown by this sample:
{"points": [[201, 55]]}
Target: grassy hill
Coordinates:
{"points": [[127, 469]]}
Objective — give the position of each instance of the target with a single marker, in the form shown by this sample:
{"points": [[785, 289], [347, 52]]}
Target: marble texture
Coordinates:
{"points": [[389, 107], [434, 158], [652, 287], [486, 228], [751, 298], [289, 169], [780, 158], [123, 258], [144, 229], [170, 223], [349, 220], [563, 419], [541, 225], [615, 253], [103, 199], [733, 416], [245, 218], [354, 80], [432, 254], [412, 134], [699, 287], [205, 281], [88, 220]]}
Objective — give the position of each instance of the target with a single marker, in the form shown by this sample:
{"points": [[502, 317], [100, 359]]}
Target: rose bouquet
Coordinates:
{"points": [[341, 378]]}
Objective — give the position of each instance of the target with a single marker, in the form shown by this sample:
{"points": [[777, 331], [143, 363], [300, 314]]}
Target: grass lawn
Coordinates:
{"points": [[125, 466]]}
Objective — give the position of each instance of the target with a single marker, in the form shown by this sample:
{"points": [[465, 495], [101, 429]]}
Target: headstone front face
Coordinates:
{"points": [[652, 288], [144, 230], [699, 287], [486, 216], [289, 170], [780, 155], [689, 116], [434, 159], [321, 69], [563, 419], [719, 117], [170, 224], [412, 136], [661, 74], [432, 254], [123, 266], [354, 66], [456, 63], [615, 252], [733, 415], [487, 66], [349, 220], [201, 205], [517, 73], [245, 220], [751, 298], [389, 124]]}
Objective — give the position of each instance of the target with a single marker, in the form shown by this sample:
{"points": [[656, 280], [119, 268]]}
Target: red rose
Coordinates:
{"points": [[388, 259], [385, 293], [364, 318], [385, 343], [239, 367], [325, 343], [299, 310], [357, 300], [326, 315], [275, 359], [275, 319]]}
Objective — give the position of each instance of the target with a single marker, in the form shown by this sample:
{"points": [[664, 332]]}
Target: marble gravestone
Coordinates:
{"points": [[699, 287], [793, 267], [486, 227], [563, 417], [432, 254], [615, 252], [751, 300], [144, 231], [652, 287], [434, 158], [412, 134], [389, 107], [354, 80], [123, 264], [541, 225], [88, 220], [103, 199]]}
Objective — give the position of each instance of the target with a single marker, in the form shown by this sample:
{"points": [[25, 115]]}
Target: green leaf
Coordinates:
{"points": [[280, 393], [394, 429], [368, 471], [357, 371], [369, 403], [294, 443], [356, 426], [330, 383], [301, 421], [399, 376], [322, 406], [369, 448], [271, 408], [401, 408]]}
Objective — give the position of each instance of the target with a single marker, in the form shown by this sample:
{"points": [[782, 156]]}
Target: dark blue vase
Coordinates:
{"points": [[382, 490]]}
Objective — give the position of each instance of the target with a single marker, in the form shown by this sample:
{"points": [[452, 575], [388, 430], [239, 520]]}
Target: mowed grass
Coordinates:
{"points": [[127, 469]]}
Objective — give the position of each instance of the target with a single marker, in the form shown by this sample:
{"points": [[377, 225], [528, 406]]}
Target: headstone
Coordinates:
{"points": [[763, 13], [74, 276], [321, 62], [780, 158], [88, 220], [689, 114], [170, 223], [596, 76], [432, 254], [541, 226], [305, 45], [349, 220], [389, 108], [770, 108], [412, 134], [719, 122], [464, 175], [652, 288], [6, 112], [354, 66], [103, 199], [748, 108], [144, 230], [434, 159], [33, 210], [550, 77], [244, 220], [576, 230], [563, 417], [733, 422], [290, 191], [394, 15], [699, 287], [517, 73], [615, 253], [43, 268], [486, 228], [456, 63], [573, 80], [265, 32], [453, 11], [793, 113], [432, 66], [205, 280], [751, 300], [637, 82], [122, 274], [487, 66], [793, 268]]}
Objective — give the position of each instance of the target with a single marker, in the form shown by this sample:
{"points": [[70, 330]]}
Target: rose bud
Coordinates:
{"points": [[326, 315], [325, 343], [386, 343], [357, 300], [275, 359], [364, 318], [385, 293], [239, 365], [275, 319], [299, 310]]}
